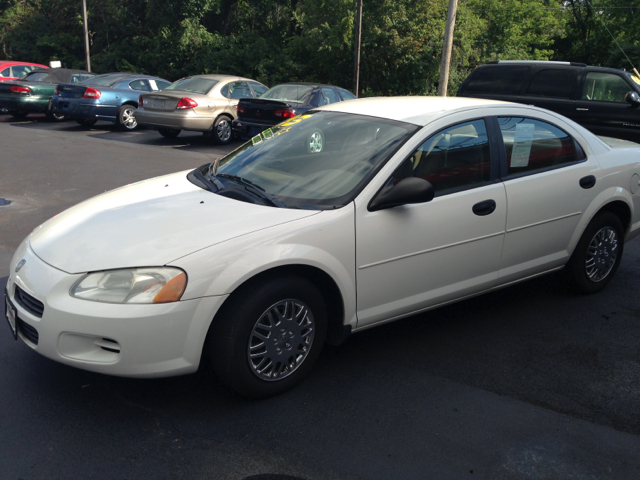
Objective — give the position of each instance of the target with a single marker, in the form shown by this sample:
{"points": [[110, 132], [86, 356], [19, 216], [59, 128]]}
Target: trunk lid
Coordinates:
{"points": [[71, 91], [263, 110], [157, 102]]}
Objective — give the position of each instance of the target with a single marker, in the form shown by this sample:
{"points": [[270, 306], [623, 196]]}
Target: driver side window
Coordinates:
{"points": [[454, 159]]}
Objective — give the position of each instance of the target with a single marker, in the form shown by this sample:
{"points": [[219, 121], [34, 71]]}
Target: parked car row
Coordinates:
{"points": [[202, 103]]}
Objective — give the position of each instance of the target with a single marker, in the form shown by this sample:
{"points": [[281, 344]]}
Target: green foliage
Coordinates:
{"points": [[275, 41]]}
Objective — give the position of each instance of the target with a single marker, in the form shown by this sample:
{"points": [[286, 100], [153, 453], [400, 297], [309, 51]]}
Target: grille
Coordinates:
{"points": [[29, 303], [27, 331]]}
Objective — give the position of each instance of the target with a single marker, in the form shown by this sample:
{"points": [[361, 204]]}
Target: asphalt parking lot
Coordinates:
{"points": [[529, 382]]}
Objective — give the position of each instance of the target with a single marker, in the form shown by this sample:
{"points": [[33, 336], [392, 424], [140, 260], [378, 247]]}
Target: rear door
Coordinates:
{"points": [[547, 180], [554, 89]]}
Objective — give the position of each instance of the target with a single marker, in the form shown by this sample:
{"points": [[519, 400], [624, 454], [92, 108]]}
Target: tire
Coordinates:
{"points": [[235, 347], [221, 131], [53, 117], [169, 132], [126, 119], [86, 122], [596, 258], [18, 114]]}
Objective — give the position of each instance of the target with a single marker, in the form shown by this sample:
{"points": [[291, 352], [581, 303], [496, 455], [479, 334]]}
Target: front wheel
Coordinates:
{"points": [[597, 255], [221, 133], [126, 119], [169, 132], [268, 335]]}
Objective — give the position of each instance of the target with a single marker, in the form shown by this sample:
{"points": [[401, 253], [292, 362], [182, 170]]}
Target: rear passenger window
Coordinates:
{"points": [[258, 88], [6, 72], [238, 90], [499, 79], [140, 85], [454, 159], [534, 145], [556, 83], [329, 96], [346, 94]]}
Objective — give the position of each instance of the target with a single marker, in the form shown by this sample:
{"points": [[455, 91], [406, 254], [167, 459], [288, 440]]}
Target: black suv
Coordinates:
{"points": [[603, 100]]}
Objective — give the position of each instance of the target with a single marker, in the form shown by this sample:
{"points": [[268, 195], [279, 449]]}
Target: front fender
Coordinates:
{"points": [[325, 241]]}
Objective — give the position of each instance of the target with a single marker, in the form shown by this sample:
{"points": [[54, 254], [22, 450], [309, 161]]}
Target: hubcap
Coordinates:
{"points": [[315, 142], [224, 130], [281, 340], [129, 118], [601, 254]]}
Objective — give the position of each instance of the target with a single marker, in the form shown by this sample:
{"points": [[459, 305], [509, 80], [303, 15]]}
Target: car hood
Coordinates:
{"points": [[149, 223]]}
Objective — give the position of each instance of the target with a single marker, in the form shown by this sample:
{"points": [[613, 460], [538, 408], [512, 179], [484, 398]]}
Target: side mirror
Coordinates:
{"points": [[407, 191], [633, 98]]}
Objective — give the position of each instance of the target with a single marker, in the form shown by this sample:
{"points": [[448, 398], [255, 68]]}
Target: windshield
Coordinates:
{"points": [[193, 84], [104, 80], [317, 160], [288, 93]]}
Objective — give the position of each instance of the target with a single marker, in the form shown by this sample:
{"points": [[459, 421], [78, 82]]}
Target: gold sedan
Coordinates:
{"points": [[202, 103]]}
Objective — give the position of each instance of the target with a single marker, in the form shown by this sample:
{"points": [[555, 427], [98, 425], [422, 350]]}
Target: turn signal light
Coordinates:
{"points": [[173, 290], [91, 93], [18, 89], [185, 103], [239, 109], [285, 113]]}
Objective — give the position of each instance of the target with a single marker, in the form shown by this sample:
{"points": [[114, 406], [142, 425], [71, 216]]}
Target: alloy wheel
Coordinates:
{"points": [[223, 130], [129, 118]]}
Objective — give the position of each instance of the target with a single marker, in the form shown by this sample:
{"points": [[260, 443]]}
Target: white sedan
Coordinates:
{"points": [[344, 218]]}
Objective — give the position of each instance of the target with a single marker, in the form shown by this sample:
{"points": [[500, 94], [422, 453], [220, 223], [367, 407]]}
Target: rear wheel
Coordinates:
{"points": [[268, 335], [126, 119], [51, 116], [597, 255], [169, 132], [221, 133], [86, 122], [18, 114]]}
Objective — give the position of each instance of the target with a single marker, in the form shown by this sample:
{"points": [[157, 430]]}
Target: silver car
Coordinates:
{"points": [[202, 103]]}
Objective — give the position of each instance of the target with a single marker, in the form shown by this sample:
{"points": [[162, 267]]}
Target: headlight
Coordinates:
{"points": [[135, 285]]}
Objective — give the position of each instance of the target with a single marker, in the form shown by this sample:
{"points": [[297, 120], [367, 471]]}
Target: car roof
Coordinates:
{"points": [[416, 110], [216, 76], [552, 63], [13, 62]]}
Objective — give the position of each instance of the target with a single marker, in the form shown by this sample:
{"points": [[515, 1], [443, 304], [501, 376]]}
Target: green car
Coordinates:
{"points": [[32, 93]]}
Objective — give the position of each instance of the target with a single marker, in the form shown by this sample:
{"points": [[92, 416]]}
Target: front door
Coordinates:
{"points": [[416, 256]]}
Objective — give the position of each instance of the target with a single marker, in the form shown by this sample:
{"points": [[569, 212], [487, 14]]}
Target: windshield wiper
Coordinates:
{"points": [[252, 187]]}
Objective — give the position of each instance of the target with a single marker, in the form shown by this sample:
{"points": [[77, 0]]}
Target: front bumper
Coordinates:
{"points": [[125, 340], [181, 120]]}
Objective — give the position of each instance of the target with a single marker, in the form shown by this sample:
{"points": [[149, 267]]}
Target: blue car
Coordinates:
{"points": [[112, 97]]}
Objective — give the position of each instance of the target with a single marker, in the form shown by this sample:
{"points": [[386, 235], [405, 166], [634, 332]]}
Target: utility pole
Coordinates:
{"points": [[446, 48], [356, 67], [86, 34]]}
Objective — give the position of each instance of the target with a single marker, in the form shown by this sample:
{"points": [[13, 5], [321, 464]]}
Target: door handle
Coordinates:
{"points": [[588, 181], [582, 109], [484, 208]]}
